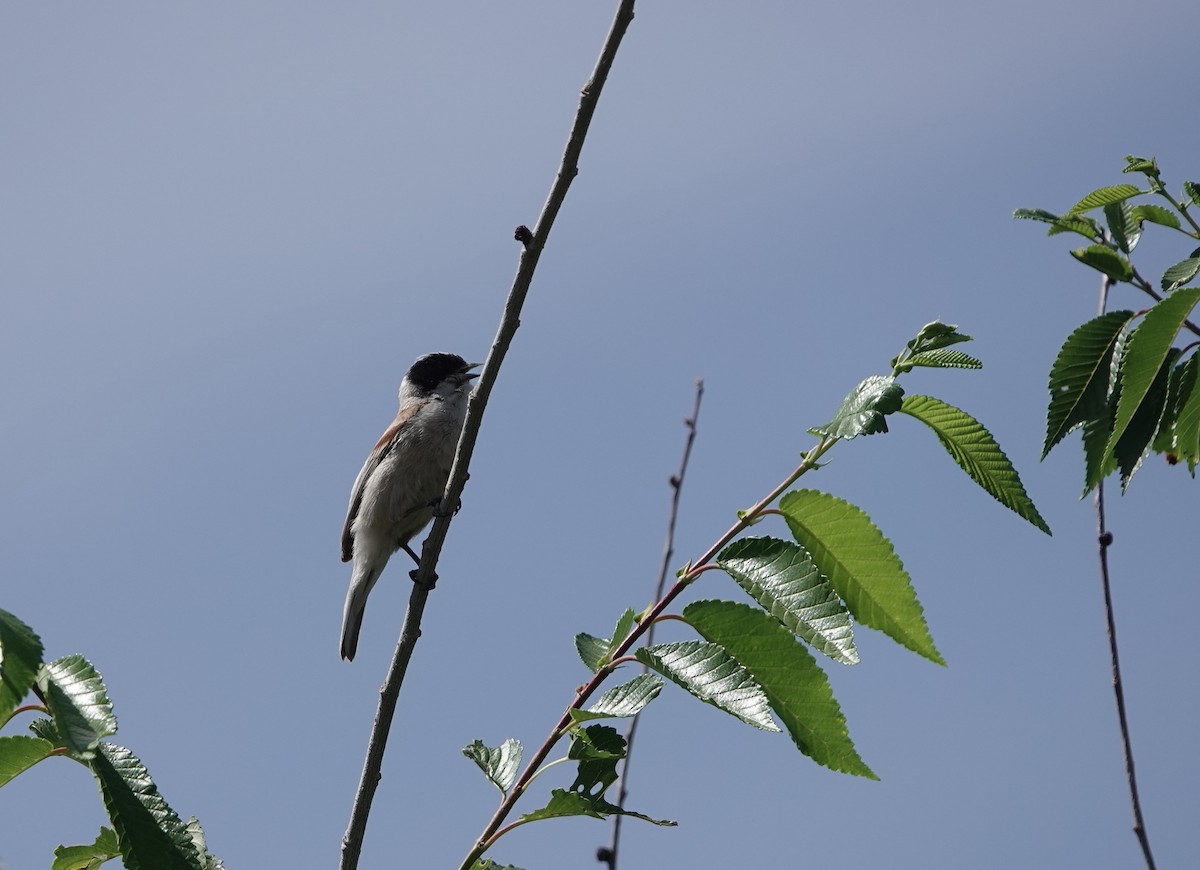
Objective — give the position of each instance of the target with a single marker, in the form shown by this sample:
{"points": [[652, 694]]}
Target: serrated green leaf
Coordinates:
{"points": [[1192, 190], [1148, 348], [489, 864], [1103, 196], [1124, 229], [710, 673], [565, 803], [1187, 420], [1079, 378], [1080, 224], [20, 657], [78, 702], [1156, 214], [207, 860], [1146, 166], [1179, 384], [19, 753], [151, 835], [499, 764], [943, 359], [977, 453], [1035, 214], [624, 625], [1106, 260], [1181, 273], [1098, 462], [861, 565], [782, 578], [627, 699], [794, 684], [592, 650], [1134, 444], [88, 857], [863, 410], [936, 335]]}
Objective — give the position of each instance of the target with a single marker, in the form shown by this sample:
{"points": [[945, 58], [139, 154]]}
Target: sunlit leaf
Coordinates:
{"points": [[711, 674], [19, 753], [88, 857], [622, 701], [1104, 196], [78, 701], [1106, 260], [1156, 214], [1134, 443], [499, 764], [1182, 272], [862, 412]]}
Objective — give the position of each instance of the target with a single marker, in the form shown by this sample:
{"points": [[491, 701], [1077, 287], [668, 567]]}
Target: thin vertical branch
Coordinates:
{"points": [[533, 243], [1104, 540], [609, 855]]}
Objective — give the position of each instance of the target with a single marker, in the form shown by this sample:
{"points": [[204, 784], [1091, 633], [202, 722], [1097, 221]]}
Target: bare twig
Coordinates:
{"points": [[609, 855], [432, 548], [1104, 541]]}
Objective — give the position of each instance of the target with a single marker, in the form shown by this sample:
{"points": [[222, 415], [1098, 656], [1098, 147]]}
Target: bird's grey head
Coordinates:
{"points": [[438, 373]]}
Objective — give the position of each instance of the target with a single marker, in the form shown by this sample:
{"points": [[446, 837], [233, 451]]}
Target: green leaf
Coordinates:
{"points": [[1133, 445], [1081, 224], [1098, 462], [88, 857], [782, 578], [1181, 273], [79, 703], [565, 803], [20, 658], [1079, 378], [1192, 190], [207, 860], [1187, 420], [1104, 196], [499, 764], [1106, 260], [1179, 384], [1125, 230], [627, 699], [19, 753], [592, 650], [489, 864], [1156, 214], [862, 412], [711, 674], [151, 835], [1144, 165], [861, 565], [1148, 348], [942, 359], [977, 453], [795, 686]]}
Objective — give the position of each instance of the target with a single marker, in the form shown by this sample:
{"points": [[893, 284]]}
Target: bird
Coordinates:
{"points": [[404, 477]]}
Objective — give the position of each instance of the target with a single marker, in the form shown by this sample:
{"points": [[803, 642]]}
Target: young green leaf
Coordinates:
{"points": [[19, 753], [942, 359], [499, 764], [565, 803], [1179, 385], [627, 699], [79, 703], [1182, 272], [1144, 165], [1192, 190], [1106, 260], [795, 686], [489, 864], [1130, 450], [977, 453], [1079, 378], [1104, 196], [1187, 421], [862, 412], [1156, 214], [861, 565], [711, 674], [20, 657], [1081, 224], [88, 857], [1098, 462], [1125, 230], [592, 650], [207, 860], [782, 578], [1148, 348], [151, 835]]}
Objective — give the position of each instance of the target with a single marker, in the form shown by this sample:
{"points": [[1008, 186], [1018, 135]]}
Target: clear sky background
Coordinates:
{"points": [[226, 231]]}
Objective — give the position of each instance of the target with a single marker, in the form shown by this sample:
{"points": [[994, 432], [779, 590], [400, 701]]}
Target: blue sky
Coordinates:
{"points": [[226, 232]]}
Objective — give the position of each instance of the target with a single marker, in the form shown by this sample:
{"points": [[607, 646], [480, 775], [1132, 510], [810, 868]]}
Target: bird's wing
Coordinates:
{"points": [[382, 448]]}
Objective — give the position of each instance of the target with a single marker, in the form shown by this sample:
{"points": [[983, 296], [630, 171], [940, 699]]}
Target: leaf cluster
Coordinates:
{"points": [[76, 718], [1120, 377]]}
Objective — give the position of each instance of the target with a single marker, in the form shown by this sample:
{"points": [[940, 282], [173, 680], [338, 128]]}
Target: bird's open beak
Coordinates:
{"points": [[467, 374]]}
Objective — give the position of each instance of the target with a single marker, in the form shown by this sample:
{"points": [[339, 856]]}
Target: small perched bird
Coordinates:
{"points": [[404, 477]]}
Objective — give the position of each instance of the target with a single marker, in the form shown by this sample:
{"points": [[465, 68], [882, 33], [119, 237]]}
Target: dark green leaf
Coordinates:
{"points": [[624, 625], [88, 857], [1079, 378], [782, 578], [861, 565], [489, 864], [499, 764], [622, 701], [1192, 190], [565, 803], [151, 835], [1156, 214], [711, 674], [977, 453], [1103, 196], [79, 703], [943, 359], [207, 860], [592, 650], [1099, 462], [1106, 260], [862, 412], [1133, 445], [1179, 385], [1181, 273], [1125, 230], [796, 687], [1081, 224], [1187, 421], [19, 753], [20, 658], [1148, 348], [1146, 166]]}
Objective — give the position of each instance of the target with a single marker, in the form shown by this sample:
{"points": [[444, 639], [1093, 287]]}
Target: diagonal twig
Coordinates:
{"points": [[533, 243], [609, 855]]}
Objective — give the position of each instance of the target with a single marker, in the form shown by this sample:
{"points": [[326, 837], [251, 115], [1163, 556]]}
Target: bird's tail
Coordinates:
{"points": [[366, 572]]}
